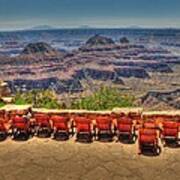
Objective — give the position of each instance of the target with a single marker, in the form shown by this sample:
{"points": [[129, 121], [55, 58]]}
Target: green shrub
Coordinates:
{"points": [[38, 98], [104, 99], [20, 99], [2, 104]]}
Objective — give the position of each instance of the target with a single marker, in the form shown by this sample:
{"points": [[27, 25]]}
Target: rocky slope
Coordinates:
{"points": [[157, 98], [150, 66], [128, 71], [60, 86], [39, 47], [96, 74], [98, 40]]}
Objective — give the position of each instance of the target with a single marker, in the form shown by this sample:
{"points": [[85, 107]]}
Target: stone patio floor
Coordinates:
{"points": [[46, 159]]}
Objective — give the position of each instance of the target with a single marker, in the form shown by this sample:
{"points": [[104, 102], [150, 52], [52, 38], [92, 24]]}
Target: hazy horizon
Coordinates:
{"points": [[20, 14]]}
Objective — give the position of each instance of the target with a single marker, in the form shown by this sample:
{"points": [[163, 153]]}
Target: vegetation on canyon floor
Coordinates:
{"points": [[104, 99]]}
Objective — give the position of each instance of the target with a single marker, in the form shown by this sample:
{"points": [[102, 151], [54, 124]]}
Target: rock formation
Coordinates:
{"points": [[170, 98], [97, 74], [127, 71], [59, 86], [40, 48], [124, 40], [151, 66], [99, 40], [4, 89]]}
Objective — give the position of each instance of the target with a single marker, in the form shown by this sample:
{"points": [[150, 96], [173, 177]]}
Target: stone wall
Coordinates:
{"points": [[4, 90]]}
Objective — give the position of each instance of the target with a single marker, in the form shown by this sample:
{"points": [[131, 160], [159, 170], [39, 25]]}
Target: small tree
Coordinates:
{"points": [[104, 99], [2, 104], [38, 98]]}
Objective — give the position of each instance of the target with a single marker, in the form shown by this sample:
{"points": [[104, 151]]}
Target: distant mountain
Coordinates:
{"points": [[134, 27], [85, 27], [43, 27]]}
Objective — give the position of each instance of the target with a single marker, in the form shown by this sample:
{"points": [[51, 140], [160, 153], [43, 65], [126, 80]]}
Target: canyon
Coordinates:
{"points": [[99, 59]]}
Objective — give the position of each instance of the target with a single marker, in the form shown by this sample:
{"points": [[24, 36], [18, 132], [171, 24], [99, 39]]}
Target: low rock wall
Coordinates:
{"points": [[135, 113]]}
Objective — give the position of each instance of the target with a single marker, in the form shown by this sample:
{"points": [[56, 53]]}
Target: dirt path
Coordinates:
{"points": [[45, 159]]}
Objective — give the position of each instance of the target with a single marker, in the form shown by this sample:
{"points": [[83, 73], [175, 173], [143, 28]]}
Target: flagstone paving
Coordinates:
{"points": [[46, 159]]}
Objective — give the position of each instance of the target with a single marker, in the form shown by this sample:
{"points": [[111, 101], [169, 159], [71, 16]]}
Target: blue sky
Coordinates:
{"points": [[16, 14]]}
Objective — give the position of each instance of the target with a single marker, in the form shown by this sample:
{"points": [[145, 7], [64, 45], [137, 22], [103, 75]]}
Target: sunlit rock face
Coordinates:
{"points": [[4, 89]]}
